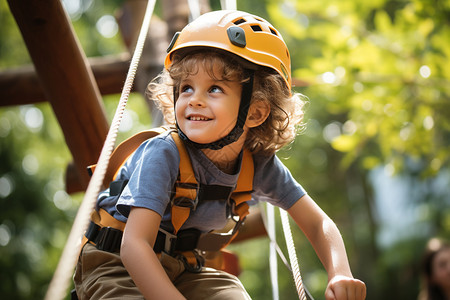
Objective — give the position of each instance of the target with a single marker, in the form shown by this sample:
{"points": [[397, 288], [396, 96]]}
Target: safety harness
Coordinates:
{"points": [[105, 232]]}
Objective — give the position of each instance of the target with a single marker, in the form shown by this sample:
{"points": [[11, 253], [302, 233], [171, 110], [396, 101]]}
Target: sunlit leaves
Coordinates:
{"points": [[380, 96], [394, 85], [344, 143]]}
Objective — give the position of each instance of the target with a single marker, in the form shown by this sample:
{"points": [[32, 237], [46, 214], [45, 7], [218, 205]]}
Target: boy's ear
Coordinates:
{"points": [[257, 113]]}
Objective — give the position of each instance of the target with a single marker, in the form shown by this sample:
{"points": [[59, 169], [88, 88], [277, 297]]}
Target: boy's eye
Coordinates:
{"points": [[186, 89], [215, 89]]}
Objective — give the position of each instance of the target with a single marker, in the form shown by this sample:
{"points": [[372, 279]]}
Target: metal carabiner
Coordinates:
{"points": [[193, 269]]}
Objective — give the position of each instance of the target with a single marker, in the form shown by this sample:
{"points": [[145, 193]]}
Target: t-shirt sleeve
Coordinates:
{"points": [[273, 182], [155, 169]]}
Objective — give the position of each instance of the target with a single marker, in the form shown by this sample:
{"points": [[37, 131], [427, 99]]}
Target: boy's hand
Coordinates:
{"points": [[345, 288]]}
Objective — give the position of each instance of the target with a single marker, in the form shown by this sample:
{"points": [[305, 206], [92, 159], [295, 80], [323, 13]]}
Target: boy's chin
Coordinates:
{"points": [[202, 140]]}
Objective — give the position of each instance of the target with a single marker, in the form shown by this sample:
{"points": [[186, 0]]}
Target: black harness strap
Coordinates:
{"points": [[213, 192], [109, 239]]}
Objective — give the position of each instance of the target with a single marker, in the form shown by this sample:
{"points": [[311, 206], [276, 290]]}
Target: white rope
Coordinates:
{"points": [[273, 263], [292, 255], [194, 9], [60, 282], [272, 241], [228, 4]]}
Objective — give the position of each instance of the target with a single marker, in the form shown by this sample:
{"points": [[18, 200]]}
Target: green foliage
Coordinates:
{"points": [[86, 19], [36, 212], [10, 39], [380, 67]]}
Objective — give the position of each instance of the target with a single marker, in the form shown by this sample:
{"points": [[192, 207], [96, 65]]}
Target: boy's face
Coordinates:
{"points": [[207, 108]]}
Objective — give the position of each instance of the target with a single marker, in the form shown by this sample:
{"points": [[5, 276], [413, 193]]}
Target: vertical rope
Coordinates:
{"points": [[272, 251], [194, 9], [228, 4], [60, 282], [292, 255]]}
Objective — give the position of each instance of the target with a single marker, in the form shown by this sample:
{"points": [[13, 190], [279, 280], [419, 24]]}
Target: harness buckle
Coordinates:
{"points": [[109, 239], [169, 241], [186, 202], [187, 199]]}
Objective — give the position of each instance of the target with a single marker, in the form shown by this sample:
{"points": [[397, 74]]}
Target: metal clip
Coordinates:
{"points": [[232, 211], [238, 225], [234, 216], [169, 241], [199, 265]]}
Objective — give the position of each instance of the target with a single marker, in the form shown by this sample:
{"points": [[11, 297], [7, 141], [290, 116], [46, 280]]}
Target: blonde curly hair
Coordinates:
{"points": [[286, 109]]}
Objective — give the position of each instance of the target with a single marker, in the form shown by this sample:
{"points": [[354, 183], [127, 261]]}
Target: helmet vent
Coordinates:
{"points": [[239, 21], [256, 28], [274, 32]]}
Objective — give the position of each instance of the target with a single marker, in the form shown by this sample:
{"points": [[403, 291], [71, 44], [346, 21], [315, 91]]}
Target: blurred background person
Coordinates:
{"points": [[436, 271]]}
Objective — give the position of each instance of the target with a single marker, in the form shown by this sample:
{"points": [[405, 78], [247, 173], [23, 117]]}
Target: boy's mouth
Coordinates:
{"points": [[198, 118]]}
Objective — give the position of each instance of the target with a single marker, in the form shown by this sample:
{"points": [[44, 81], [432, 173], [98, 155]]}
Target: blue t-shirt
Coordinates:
{"points": [[152, 172]]}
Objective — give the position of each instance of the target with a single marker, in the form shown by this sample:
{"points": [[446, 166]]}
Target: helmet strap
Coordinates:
{"points": [[236, 132]]}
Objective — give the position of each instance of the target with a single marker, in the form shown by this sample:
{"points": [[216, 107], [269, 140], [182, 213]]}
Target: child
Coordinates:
{"points": [[227, 89], [436, 271]]}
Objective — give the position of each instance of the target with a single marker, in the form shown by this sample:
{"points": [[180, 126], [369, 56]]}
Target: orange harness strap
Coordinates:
{"points": [[244, 186], [187, 188]]}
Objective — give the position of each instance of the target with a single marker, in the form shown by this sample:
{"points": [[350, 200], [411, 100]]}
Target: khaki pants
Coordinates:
{"points": [[101, 275]]}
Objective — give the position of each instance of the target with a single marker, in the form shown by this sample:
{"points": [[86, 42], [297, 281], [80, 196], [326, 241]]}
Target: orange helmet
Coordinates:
{"points": [[240, 33]]}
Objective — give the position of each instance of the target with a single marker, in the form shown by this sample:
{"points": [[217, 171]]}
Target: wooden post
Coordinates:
{"points": [[65, 77]]}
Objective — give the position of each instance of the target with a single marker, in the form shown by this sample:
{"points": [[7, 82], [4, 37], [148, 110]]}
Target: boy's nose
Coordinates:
{"points": [[196, 100]]}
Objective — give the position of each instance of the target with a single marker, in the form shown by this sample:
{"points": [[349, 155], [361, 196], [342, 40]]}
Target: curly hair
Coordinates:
{"points": [[286, 109]]}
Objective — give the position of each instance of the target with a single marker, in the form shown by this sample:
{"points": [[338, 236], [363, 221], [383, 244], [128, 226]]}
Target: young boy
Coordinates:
{"points": [[227, 89]]}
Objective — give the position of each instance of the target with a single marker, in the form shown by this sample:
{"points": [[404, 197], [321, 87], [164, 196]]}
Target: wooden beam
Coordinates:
{"points": [[21, 85], [65, 77]]}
